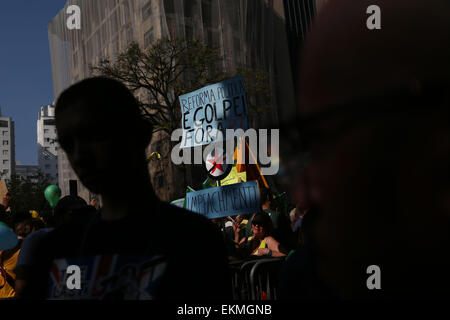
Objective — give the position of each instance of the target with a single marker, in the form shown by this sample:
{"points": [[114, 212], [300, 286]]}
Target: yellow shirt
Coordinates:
{"points": [[263, 244], [9, 263]]}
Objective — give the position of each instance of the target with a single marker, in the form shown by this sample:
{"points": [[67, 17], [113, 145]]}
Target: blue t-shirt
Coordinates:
{"points": [[29, 245]]}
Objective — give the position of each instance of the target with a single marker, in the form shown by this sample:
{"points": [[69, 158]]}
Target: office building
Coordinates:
{"points": [[47, 143], [248, 33], [7, 147]]}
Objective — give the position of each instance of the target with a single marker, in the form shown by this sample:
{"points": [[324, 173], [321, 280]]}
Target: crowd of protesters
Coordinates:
{"points": [[30, 227], [121, 227], [267, 233], [270, 232]]}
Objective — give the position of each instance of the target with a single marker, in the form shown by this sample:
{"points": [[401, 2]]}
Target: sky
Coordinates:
{"points": [[25, 69]]}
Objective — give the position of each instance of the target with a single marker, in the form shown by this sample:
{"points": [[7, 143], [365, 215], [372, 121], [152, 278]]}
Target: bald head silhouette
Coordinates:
{"points": [[378, 179]]}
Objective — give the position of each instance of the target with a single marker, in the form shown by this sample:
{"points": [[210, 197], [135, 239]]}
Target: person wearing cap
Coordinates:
{"points": [[262, 242]]}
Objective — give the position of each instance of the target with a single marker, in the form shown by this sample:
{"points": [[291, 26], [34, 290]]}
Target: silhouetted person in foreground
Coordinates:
{"points": [[126, 251], [374, 111]]}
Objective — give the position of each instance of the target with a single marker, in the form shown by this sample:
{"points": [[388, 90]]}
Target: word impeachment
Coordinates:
{"points": [[239, 198]]}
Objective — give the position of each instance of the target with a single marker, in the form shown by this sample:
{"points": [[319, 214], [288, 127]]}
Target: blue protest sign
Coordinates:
{"points": [[213, 109], [230, 200]]}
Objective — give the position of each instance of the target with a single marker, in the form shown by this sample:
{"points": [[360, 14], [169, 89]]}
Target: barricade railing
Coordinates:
{"points": [[255, 279]]}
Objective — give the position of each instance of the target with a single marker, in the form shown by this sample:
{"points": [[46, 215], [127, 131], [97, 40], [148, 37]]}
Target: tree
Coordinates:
{"points": [[28, 193], [169, 68]]}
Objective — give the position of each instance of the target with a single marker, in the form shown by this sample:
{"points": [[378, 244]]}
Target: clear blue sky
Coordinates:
{"points": [[25, 70]]}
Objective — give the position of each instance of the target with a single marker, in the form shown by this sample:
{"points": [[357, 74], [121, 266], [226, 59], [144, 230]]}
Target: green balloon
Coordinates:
{"points": [[52, 194]]}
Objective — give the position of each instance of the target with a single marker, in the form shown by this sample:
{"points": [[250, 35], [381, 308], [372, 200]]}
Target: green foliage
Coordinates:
{"points": [[28, 194], [169, 68]]}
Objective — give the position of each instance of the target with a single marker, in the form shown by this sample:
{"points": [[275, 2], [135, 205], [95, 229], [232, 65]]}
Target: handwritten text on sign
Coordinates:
{"points": [[230, 200], [211, 110]]}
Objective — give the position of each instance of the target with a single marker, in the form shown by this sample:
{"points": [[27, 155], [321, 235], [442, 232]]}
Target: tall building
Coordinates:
{"points": [[247, 32], [47, 144], [7, 147]]}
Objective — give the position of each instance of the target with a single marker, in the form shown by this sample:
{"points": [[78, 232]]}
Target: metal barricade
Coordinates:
{"points": [[255, 279], [264, 278]]}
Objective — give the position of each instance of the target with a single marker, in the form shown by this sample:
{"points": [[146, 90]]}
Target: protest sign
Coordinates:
{"points": [[215, 164], [213, 109], [230, 200], [234, 177]]}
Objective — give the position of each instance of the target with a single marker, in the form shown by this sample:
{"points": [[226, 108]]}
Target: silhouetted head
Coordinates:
{"points": [[70, 208], [374, 105], [265, 197], [262, 225], [101, 129]]}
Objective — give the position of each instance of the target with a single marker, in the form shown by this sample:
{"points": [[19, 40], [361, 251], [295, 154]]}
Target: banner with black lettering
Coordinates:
{"points": [[211, 110], [230, 200]]}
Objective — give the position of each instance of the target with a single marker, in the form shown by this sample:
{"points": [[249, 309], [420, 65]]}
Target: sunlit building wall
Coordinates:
{"points": [[248, 33]]}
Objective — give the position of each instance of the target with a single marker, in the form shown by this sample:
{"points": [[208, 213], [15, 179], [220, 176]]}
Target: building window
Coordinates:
{"points": [[47, 166], [147, 11], [46, 131], [148, 37], [5, 152], [5, 161], [49, 122], [4, 124], [5, 133], [6, 142]]}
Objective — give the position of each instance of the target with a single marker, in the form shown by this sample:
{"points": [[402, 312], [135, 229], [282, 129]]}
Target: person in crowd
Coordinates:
{"points": [[228, 236], [68, 209], [296, 216], [95, 202], [374, 112], [5, 209], [241, 220], [4, 216], [262, 243], [281, 229], [23, 226], [130, 225], [6, 201]]}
